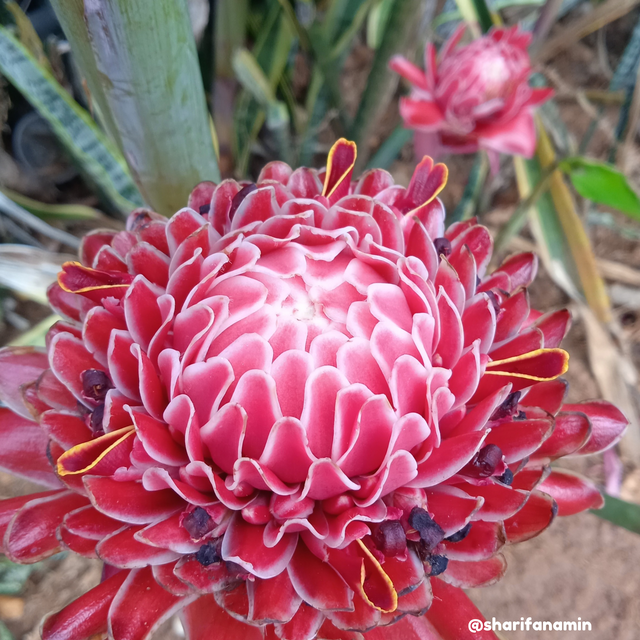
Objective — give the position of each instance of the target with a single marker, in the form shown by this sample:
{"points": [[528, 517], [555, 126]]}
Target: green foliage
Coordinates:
{"points": [[390, 148], [603, 184], [624, 514], [92, 150], [14, 576], [52, 212], [157, 104]]}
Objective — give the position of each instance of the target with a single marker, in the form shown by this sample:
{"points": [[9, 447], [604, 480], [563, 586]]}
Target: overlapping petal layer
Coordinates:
{"points": [[290, 407]]}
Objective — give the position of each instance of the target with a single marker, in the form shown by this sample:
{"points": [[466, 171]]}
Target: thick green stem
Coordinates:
{"points": [[139, 58]]}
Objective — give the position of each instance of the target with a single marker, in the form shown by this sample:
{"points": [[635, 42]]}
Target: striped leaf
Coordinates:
{"points": [[91, 149]]}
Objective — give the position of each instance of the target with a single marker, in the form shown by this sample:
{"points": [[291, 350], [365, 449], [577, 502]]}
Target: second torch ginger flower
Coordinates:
{"points": [[474, 97]]}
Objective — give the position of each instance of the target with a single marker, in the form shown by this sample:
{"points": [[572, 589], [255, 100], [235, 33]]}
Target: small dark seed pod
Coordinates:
{"points": [[438, 565], [208, 553], [460, 535], [443, 246], [506, 477]]}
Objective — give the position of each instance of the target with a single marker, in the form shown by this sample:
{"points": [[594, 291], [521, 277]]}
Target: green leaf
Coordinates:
{"points": [[472, 194], [36, 336], [5, 634], [624, 514], [602, 183], [398, 34], [148, 74], [476, 12], [390, 148], [377, 21], [252, 78], [13, 576], [52, 212], [73, 126]]}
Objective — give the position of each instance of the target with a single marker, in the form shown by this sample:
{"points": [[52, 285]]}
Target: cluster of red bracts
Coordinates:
{"points": [[297, 409]]}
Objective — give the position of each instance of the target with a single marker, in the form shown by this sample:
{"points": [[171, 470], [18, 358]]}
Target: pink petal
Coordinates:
{"points": [[303, 626], [572, 492], [256, 394], [86, 616], [423, 115], [536, 515], [319, 408], [122, 549], [272, 601], [204, 620], [286, 451], [130, 501], [475, 574], [18, 366], [24, 449], [607, 424], [451, 611], [224, 434], [447, 459], [141, 606], [243, 544], [451, 507], [31, 534]]}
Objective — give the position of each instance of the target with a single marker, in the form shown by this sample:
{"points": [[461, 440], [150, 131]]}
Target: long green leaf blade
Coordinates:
{"points": [[624, 514], [73, 126], [148, 71]]}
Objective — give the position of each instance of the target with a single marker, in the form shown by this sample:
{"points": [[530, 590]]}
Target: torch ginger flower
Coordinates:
{"points": [[297, 409], [476, 97]]}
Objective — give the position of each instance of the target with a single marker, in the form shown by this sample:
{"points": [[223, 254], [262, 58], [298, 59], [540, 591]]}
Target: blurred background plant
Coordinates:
{"points": [[109, 105]]}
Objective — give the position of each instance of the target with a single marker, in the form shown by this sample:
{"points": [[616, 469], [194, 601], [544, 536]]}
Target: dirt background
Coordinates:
{"points": [[582, 567]]}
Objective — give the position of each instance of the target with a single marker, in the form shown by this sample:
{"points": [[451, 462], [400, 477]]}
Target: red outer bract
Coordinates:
{"points": [[475, 96], [292, 378]]}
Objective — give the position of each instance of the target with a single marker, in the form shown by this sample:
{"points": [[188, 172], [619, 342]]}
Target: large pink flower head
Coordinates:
{"points": [[477, 96], [297, 409]]}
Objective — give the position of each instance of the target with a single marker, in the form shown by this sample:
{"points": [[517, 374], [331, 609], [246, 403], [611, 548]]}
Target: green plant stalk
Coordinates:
{"points": [[147, 65], [468, 204], [72, 22], [388, 151], [399, 33], [592, 284], [519, 216]]}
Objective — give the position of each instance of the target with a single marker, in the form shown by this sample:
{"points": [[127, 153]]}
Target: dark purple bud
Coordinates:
{"points": [[494, 301], [484, 462], [443, 247], [239, 197], [96, 419], [460, 535], [95, 384], [390, 538], [204, 209], [438, 565], [139, 219], [508, 407], [209, 553], [506, 477], [198, 523], [431, 533]]}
